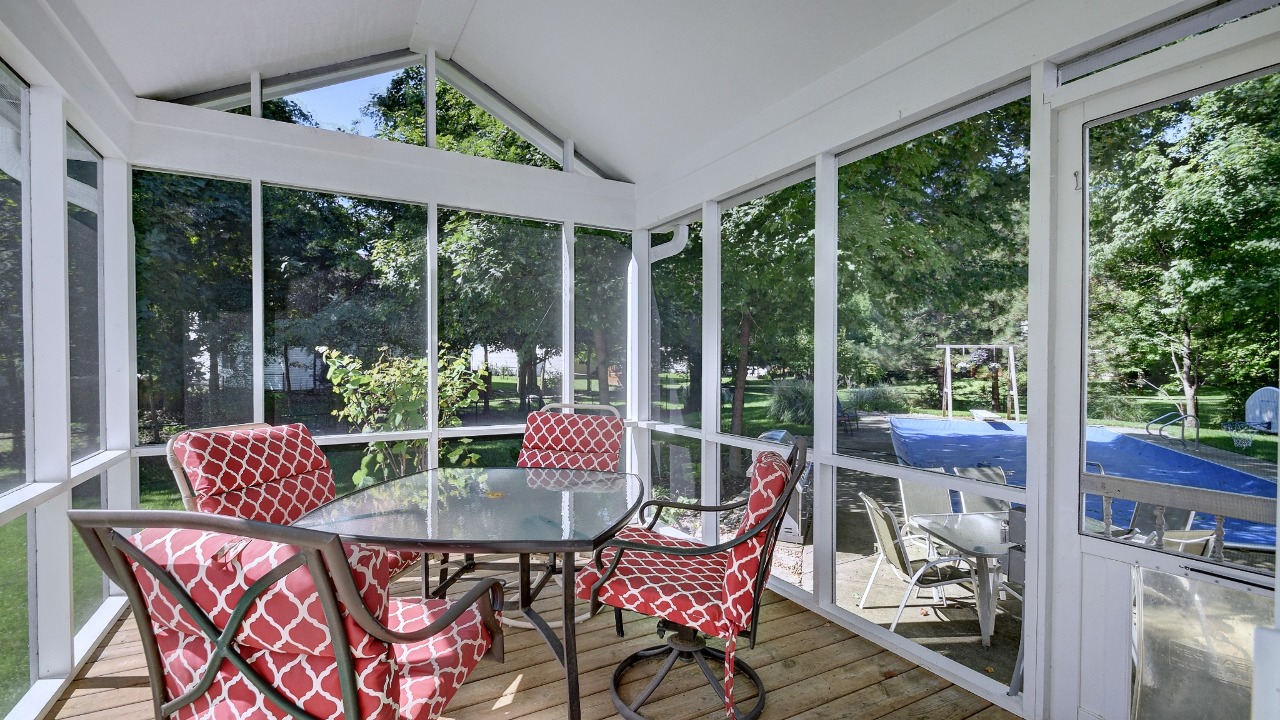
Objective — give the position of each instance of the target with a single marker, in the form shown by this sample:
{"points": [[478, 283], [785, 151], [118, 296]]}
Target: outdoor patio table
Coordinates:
{"points": [[983, 537], [494, 510]]}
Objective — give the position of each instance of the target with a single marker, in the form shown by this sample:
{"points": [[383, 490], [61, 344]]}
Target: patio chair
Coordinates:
{"points": [[928, 574], [240, 619], [974, 502], [695, 589], [920, 498], [260, 472], [847, 418], [573, 440]]}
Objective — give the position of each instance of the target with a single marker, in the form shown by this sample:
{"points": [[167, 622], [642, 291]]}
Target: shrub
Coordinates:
{"points": [[792, 402], [878, 398], [1115, 407]]}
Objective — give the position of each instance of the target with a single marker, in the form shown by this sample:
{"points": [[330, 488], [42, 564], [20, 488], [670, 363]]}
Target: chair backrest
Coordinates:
{"points": [[888, 534], [573, 440], [1191, 542], [920, 498], [295, 602], [976, 502], [1144, 518], [267, 473], [773, 483]]}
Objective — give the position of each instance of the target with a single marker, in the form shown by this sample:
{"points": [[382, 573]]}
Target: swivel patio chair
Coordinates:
{"points": [[244, 619], [932, 574], [696, 589], [260, 472], [556, 440]]}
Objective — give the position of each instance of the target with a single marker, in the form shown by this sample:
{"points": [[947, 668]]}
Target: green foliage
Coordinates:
{"points": [[1185, 242], [791, 401], [878, 398], [390, 395]]}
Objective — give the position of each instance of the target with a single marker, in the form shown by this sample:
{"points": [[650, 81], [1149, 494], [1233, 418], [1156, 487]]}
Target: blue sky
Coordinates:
{"points": [[337, 107]]}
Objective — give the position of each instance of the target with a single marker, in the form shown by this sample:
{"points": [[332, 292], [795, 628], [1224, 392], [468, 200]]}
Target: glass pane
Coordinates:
{"points": [[88, 584], [932, 300], [157, 488], [345, 312], [482, 451], [195, 300], [1184, 295], [601, 261], [793, 553], [676, 308], [500, 309], [84, 257], [677, 476], [766, 301], [1193, 647], [15, 634], [924, 521], [352, 106], [13, 386], [462, 126]]}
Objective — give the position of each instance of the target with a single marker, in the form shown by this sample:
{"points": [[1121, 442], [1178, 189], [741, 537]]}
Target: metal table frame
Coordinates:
{"points": [[566, 650], [988, 549]]}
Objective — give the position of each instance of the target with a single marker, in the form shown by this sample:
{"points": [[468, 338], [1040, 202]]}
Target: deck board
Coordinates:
{"points": [[812, 669]]}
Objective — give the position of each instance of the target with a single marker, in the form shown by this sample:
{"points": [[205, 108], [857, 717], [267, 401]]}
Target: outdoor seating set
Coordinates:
{"points": [[269, 596]]}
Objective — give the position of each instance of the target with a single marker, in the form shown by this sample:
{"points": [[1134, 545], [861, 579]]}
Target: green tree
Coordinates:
{"points": [[1185, 241]]}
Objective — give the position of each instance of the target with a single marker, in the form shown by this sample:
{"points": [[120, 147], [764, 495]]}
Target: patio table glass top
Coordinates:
{"points": [[516, 510]]}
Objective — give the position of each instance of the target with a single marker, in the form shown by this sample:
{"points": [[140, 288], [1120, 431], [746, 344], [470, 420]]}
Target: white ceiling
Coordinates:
{"points": [[637, 85]]}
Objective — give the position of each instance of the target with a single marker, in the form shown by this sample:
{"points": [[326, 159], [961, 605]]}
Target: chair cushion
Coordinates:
{"points": [[585, 442], [429, 673], [768, 480], [685, 590], [308, 680], [273, 474], [400, 560], [287, 618]]}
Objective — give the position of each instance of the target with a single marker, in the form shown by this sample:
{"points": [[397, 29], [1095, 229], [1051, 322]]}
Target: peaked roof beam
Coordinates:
{"points": [[513, 117]]}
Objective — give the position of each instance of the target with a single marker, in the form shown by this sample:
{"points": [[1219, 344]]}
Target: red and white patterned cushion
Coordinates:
{"points": [[714, 593], [685, 590], [565, 440], [429, 673], [285, 638], [272, 474]]}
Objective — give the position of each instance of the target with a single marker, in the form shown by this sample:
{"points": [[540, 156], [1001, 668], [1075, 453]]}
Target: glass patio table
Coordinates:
{"points": [[984, 537], [494, 510]]}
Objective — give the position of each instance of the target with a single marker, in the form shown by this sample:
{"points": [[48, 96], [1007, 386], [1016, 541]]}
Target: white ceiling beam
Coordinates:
{"points": [[513, 117], [440, 25]]}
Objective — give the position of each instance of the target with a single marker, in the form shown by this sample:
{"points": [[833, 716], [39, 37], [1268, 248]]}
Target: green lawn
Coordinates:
{"points": [[15, 671]]}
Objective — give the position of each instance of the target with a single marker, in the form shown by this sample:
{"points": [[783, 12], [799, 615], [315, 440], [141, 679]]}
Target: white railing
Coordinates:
{"points": [[1220, 505]]}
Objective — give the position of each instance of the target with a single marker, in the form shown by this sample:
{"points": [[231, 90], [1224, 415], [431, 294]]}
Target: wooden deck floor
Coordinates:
{"points": [[811, 667]]}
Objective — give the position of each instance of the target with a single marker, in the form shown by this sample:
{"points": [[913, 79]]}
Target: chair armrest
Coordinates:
{"points": [[683, 506], [486, 595]]}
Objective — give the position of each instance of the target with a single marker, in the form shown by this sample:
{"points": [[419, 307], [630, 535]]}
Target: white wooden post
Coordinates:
{"points": [[1013, 383], [430, 317], [258, 345], [710, 362], [429, 97], [49, 532], [255, 94], [567, 300], [639, 355], [825, 329], [946, 384]]}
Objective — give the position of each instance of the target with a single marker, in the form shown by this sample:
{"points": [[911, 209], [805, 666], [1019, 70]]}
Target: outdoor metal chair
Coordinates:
{"points": [[240, 619], [573, 440], [919, 498], [269, 473], [695, 589], [928, 574], [974, 502]]}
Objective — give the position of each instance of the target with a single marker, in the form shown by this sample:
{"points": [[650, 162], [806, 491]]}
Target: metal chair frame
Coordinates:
{"points": [[686, 644], [326, 561]]}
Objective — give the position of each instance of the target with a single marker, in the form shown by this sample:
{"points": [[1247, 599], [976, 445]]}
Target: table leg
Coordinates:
{"points": [[986, 599], [568, 570]]}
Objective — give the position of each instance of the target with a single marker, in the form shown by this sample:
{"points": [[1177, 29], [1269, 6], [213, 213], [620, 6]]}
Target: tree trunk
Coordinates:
{"points": [[739, 389], [997, 401], [602, 367], [1184, 364]]}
